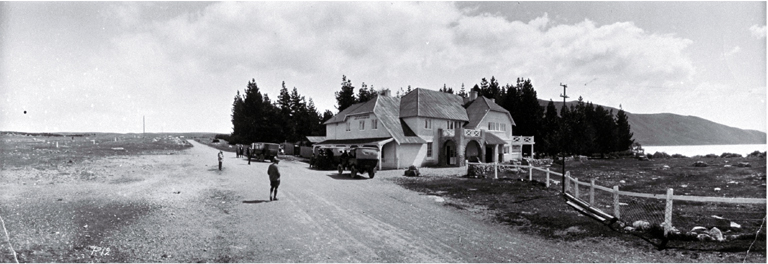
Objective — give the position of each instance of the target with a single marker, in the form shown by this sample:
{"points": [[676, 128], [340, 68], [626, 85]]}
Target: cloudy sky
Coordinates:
{"points": [[101, 66]]}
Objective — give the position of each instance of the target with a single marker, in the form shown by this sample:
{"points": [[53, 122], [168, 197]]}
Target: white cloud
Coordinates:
{"points": [[757, 31]]}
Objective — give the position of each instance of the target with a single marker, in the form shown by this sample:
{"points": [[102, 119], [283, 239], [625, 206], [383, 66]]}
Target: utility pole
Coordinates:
{"points": [[562, 134]]}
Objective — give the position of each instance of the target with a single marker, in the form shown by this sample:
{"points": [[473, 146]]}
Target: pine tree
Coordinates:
{"points": [[550, 134], [346, 96], [462, 92], [238, 119], [624, 132]]}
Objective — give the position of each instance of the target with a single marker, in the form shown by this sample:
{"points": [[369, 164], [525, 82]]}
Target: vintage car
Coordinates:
{"points": [[360, 159]]}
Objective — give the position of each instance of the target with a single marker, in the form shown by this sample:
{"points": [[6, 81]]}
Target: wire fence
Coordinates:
{"points": [[665, 219]]}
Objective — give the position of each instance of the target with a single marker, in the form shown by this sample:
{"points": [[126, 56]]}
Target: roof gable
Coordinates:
{"points": [[387, 110], [428, 103], [358, 108], [479, 108]]}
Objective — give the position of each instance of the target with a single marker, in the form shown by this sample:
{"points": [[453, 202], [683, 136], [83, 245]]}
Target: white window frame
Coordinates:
{"points": [[427, 123], [429, 149], [361, 125], [450, 124], [349, 125], [374, 124]]}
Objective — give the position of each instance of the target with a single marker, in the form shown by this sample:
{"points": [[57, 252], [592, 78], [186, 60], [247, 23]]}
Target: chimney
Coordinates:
{"points": [[386, 92], [473, 95]]}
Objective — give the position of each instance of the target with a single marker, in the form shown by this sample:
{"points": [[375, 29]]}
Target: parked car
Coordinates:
{"points": [[264, 151], [326, 158], [360, 159]]}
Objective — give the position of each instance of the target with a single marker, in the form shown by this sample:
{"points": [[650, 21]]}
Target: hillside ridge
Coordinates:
{"points": [[669, 129]]}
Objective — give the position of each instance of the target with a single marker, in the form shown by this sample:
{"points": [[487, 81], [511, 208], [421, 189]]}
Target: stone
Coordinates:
{"points": [[698, 229], [735, 225], [665, 167], [716, 234], [703, 237], [641, 225]]}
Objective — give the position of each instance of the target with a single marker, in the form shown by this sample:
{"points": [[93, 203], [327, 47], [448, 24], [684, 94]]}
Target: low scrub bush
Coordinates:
{"points": [[756, 154], [730, 155], [661, 155]]}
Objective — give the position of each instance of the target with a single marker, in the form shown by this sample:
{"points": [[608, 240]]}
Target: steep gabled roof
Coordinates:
{"points": [[428, 103], [387, 110], [355, 109], [477, 109]]}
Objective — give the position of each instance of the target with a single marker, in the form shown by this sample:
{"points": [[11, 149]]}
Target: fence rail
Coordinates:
{"points": [[611, 197]]}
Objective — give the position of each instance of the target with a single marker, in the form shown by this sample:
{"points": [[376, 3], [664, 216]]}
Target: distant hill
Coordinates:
{"points": [[671, 129]]}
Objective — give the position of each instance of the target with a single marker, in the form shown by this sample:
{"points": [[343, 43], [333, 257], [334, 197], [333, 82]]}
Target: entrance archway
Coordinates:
{"points": [[472, 151]]}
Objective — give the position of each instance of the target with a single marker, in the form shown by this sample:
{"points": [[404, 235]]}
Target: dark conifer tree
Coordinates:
{"points": [[346, 96], [624, 132]]}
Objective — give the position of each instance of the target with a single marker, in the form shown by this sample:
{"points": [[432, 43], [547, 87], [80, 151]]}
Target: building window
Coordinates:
{"points": [[450, 124], [503, 127], [362, 125], [428, 123], [429, 149], [506, 149], [348, 126], [494, 126], [374, 124]]}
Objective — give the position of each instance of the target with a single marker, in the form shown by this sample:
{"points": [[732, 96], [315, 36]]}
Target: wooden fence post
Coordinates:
{"points": [[616, 208], [567, 181], [530, 172], [592, 192], [547, 182], [668, 212], [576, 187]]}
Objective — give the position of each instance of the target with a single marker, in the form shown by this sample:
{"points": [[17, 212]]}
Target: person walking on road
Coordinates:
{"points": [[274, 178], [221, 157]]}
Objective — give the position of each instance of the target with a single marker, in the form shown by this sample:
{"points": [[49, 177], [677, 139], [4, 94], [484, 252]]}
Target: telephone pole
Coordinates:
{"points": [[562, 134]]}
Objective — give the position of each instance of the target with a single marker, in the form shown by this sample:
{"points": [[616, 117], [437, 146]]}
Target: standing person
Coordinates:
{"points": [[221, 157], [248, 153], [274, 178]]}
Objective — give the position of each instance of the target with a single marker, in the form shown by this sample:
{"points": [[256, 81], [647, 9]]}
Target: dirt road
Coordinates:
{"points": [[181, 208]]}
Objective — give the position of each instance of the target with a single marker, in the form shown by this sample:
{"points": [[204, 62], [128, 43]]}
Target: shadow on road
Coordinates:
{"points": [[255, 201], [346, 176]]}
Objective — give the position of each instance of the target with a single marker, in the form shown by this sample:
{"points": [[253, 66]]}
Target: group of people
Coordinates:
{"points": [[273, 171], [242, 151]]}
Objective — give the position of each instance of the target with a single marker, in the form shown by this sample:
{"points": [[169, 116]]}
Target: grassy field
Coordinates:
{"points": [[535, 209], [49, 152]]}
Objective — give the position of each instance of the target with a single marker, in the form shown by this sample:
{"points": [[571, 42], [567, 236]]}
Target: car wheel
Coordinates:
{"points": [[372, 173], [354, 172]]}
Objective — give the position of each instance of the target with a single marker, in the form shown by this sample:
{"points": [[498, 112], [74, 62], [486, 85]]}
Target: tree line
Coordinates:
{"points": [[255, 118], [581, 128]]}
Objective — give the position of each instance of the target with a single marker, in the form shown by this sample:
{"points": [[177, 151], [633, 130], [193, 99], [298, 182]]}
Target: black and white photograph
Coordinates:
{"points": [[383, 132]]}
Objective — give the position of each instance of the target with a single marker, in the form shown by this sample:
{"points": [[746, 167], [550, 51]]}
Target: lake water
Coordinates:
{"points": [[693, 150]]}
